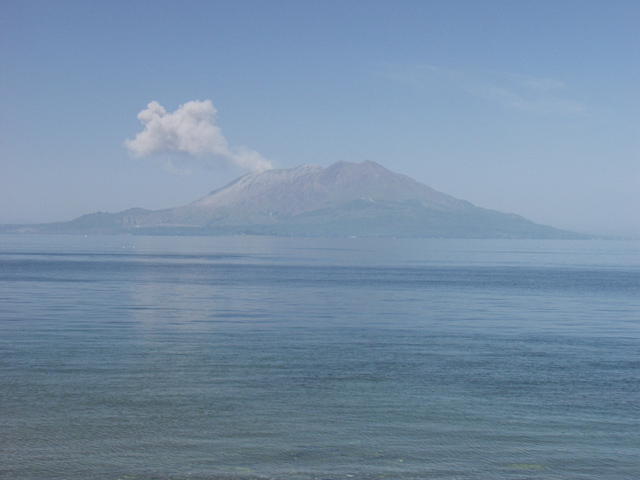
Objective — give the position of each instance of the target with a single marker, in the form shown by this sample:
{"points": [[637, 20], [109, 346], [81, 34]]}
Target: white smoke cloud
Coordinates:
{"points": [[190, 130]]}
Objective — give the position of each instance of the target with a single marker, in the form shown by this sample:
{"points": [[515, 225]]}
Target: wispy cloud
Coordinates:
{"points": [[510, 90], [190, 132]]}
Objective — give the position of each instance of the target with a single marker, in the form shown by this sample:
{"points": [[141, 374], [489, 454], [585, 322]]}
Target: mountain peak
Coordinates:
{"points": [[306, 188]]}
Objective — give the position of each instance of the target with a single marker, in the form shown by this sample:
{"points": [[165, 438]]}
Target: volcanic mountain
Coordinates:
{"points": [[345, 199]]}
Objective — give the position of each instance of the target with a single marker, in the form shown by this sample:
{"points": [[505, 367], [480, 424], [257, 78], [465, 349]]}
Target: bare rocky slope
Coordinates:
{"points": [[345, 199]]}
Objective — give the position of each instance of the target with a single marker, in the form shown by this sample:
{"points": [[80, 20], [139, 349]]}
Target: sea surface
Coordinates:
{"points": [[128, 357]]}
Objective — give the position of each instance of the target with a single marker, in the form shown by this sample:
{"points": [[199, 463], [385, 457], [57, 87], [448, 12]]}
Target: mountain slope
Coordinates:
{"points": [[345, 199]]}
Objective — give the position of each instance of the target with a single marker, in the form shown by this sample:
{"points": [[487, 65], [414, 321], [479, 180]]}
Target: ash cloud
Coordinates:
{"points": [[190, 131]]}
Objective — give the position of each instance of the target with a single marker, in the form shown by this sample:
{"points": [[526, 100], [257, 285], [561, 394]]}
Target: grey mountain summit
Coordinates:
{"points": [[345, 199]]}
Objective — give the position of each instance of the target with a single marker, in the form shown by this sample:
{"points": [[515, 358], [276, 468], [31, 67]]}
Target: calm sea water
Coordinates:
{"points": [[246, 358]]}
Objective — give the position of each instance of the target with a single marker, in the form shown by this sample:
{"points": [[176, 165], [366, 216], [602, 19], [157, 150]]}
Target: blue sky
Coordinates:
{"points": [[530, 107]]}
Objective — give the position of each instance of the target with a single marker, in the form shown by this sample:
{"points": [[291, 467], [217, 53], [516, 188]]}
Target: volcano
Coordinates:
{"points": [[343, 200]]}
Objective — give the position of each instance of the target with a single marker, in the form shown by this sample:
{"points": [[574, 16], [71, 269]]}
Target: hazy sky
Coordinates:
{"points": [[530, 107]]}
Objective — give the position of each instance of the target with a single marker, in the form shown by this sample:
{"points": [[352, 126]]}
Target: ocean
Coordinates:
{"points": [[127, 357]]}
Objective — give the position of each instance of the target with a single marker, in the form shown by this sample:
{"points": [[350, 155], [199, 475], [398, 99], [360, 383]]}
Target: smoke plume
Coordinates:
{"points": [[190, 131]]}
